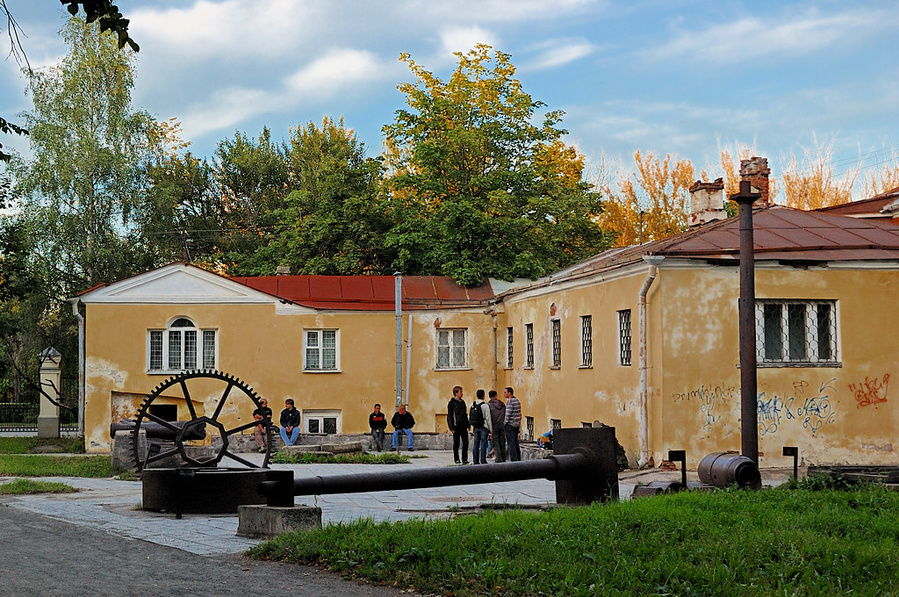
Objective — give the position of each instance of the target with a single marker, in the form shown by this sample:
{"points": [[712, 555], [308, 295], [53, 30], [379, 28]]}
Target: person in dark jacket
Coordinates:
{"points": [[402, 422], [498, 416], [261, 431], [290, 423], [378, 423], [457, 419]]}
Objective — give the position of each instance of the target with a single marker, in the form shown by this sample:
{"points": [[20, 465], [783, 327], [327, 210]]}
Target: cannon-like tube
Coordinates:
{"points": [[159, 431], [725, 468]]}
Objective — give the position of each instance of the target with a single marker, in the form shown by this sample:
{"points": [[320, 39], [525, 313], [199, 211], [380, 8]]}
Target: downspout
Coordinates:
{"points": [[80, 319], [653, 261], [398, 308], [408, 357]]}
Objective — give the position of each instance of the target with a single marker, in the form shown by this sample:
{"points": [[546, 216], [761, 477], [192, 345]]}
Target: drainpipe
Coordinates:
{"points": [[653, 261], [80, 319], [398, 303]]}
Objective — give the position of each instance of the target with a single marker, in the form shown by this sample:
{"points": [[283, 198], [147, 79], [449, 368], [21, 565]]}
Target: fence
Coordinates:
{"points": [[22, 416]]}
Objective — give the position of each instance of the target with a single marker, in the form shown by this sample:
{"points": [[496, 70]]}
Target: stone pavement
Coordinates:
{"points": [[113, 506]]}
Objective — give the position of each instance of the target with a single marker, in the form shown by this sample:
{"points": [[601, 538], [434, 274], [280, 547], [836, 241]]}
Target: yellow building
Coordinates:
{"points": [[644, 339]]}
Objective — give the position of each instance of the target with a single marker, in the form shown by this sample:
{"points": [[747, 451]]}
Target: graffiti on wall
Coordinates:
{"points": [[711, 400], [870, 391], [813, 409]]}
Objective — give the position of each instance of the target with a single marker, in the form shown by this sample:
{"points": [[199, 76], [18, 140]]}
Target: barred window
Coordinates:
{"points": [[586, 341], [555, 424], [529, 345], [557, 343], [452, 348], [175, 348], [796, 332], [321, 350], [529, 429], [624, 337], [509, 360], [322, 421]]}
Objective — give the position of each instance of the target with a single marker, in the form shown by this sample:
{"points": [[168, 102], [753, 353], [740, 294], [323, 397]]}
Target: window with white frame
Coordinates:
{"points": [[796, 332], [556, 343], [452, 348], [322, 421], [181, 346], [320, 350], [624, 337], [510, 361], [529, 345], [586, 340]]}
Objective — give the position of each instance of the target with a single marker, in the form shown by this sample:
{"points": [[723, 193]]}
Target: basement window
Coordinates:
{"points": [[796, 333]]}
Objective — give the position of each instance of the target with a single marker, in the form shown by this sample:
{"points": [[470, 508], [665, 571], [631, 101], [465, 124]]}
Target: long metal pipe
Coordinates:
{"points": [[749, 427], [653, 262], [398, 305]]}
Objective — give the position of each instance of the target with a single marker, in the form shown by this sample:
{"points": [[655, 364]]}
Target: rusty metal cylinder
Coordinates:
{"points": [[725, 468]]}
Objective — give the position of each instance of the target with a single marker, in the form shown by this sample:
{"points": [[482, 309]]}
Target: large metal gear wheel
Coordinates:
{"points": [[233, 390]]}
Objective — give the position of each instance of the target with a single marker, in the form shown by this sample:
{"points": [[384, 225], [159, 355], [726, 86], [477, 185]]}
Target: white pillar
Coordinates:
{"points": [[48, 419]]}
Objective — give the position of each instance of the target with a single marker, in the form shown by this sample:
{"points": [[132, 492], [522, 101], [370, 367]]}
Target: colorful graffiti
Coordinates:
{"points": [[870, 391], [711, 400], [813, 411]]}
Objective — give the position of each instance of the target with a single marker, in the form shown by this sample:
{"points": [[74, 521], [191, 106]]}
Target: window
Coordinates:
{"points": [[529, 429], [556, 343], [452, 348], [509, 360], [320, 350], [624, 337], [796, 332], [555, 424], [586, 341], [180, 347], [322, 421], [529, 345]]}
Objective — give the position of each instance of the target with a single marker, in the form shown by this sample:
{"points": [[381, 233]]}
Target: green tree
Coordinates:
{"points": [[476, 189]]}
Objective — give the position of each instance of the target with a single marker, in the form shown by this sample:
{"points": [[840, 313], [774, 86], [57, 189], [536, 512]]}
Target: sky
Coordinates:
{"points": [[669, 77]]}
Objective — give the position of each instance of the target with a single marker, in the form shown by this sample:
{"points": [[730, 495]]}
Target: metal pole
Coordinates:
{"points": [[398, 303], [748, 380]]}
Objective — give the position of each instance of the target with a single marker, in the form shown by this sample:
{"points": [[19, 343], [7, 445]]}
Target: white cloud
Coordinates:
{"points": [[753, 37], [499, 10], [561, 52], [337, 70], [463, 39], [225, 109]]}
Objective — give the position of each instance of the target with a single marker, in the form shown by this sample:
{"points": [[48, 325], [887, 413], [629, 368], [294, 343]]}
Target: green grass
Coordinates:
{"points": [[774, 542], [27, 486], [28, 445], [351, 458], [42, 465]]}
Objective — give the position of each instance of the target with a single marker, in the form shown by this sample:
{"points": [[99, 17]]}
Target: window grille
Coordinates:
{"points": [[796, 332], [624, 337], [175, 348], [529, 345], [509, 354], [557, 342], [529, 429], [586, 341], [321, 350], [555, 424], [452, 348]]}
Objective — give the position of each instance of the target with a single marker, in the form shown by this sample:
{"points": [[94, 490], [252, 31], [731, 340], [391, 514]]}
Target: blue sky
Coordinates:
{"points": [[664, 76]]}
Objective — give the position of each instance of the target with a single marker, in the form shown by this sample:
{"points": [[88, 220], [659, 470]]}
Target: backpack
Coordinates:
{"points": [[476, 415]]}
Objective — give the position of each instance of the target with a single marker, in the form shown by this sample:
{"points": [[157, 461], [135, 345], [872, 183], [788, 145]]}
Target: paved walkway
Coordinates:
{"points": [[113, 506]]}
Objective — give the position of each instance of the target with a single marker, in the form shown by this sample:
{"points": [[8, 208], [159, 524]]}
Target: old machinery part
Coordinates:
{"points": [[726, 468]]}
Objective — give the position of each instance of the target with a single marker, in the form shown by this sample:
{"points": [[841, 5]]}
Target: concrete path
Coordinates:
{"points": [[113, 506]]}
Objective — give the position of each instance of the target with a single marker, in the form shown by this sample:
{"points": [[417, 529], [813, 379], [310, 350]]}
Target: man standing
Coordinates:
{"points": [[497, 417], [402, 422], [512, 424], [378, 423], [262, 414], [457, 419], [481, 426], [290, 423]]}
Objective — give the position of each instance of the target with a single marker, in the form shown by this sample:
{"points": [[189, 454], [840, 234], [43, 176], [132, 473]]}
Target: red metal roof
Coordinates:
{"points": [[879, 206], [369, 293]]}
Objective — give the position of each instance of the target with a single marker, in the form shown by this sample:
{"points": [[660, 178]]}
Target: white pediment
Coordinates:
{"points": [[177, 283]]}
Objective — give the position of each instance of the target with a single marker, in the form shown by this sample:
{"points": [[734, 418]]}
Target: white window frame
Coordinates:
{"points": [[529, 346], [447, 342], [586, 341], [510, 354], [200, 353], [314, 343], [807, 333], [319, 415], [555, 345]]}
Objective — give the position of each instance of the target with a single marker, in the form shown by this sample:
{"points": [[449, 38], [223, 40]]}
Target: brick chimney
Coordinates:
{"points": [[706, 202], [282, 270], [756, 171]]}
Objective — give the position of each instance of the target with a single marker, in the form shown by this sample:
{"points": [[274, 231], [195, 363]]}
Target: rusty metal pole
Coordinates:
{"points": [[749, 427]]}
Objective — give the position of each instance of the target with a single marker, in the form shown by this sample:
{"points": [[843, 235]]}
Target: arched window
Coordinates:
{"points": [[181, 346]]}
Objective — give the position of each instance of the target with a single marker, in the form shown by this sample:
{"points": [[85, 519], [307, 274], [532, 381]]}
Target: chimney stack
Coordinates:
{"points": [[706, 202], [756, 171], [282, 270]]}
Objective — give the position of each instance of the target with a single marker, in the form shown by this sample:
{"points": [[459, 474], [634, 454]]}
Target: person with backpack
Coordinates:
{"points": [[481, 427], [457, 419]]}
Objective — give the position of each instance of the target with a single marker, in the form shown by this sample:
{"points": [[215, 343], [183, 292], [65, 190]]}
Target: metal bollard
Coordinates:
{"points": [[583, 466]]}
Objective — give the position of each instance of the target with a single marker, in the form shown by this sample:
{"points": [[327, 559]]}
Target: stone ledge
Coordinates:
{"points": [[265, 522]]}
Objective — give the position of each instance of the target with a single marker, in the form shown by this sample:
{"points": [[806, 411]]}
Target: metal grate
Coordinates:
{"points": [[557, 343], [452, 348], [529, 428], [586, 341], [529, 345], [796, 332], [509, 354], [555, 424], [624, 337]]}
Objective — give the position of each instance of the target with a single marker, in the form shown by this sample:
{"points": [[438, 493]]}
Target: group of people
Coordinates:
{"points": [[495, 426], [289, 424], [402, 423]]}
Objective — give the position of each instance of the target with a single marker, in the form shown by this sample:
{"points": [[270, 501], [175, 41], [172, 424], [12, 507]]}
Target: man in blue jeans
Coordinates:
{"points": [[481, 427], [290, 423], [402, 422], [512, 424]]}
